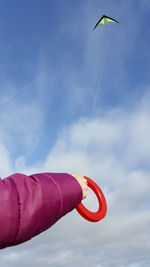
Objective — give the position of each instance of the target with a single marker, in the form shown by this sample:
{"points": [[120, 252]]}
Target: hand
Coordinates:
{"points": [[83, 183]]}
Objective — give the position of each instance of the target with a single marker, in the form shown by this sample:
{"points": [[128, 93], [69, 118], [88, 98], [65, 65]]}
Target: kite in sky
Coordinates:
{"points": [[104, 20]]}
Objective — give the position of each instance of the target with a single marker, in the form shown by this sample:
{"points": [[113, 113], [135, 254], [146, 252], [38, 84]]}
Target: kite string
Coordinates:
{"points": [[50, 69], [100, 76]]}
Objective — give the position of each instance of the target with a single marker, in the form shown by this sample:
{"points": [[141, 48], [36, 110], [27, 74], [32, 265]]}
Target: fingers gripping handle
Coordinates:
{"points": [[101, 213]]}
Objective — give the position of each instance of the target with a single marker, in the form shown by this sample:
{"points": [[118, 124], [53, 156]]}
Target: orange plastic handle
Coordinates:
{"points": [[101, 213]]}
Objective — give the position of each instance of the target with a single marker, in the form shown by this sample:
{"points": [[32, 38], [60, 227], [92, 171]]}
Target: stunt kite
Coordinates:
{"points": [[104, 20]]}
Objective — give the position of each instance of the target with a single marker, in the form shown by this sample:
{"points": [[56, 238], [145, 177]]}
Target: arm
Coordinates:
{"points": [[32, 204]]}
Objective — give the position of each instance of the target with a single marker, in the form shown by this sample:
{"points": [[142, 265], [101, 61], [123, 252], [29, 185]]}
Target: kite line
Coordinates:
{"points": [[100, 76], [99, 84], [103, 20], [39, 77]]}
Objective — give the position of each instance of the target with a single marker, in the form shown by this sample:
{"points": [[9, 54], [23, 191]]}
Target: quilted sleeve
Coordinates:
{"points": [[32, 204]]}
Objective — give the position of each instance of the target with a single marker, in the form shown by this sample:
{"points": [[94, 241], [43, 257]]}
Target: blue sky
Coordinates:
{"points": [[53, 67], [38, 36]]}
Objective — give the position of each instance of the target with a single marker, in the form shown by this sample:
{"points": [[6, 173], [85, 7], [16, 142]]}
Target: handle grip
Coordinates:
{"points": [[101, 213]]}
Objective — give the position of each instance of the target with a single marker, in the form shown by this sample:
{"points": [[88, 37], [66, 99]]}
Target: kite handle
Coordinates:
{"points": [[101, 213]]}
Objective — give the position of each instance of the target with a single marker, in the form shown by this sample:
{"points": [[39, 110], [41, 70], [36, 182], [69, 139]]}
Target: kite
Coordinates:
{"points": [[104, 20]]}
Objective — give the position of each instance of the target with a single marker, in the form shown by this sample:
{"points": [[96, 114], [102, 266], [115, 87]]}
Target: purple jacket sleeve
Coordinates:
{"points": [[31, 204]]}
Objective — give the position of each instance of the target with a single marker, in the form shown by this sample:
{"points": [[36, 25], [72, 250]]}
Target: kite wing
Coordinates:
{"points": [[112, 20], [98, 23], [104, 20]]}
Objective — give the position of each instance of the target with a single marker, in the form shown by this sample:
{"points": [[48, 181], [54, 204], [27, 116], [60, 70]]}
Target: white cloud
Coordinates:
{"points": [[5, 161], [21, 127], [113, 150], [124, 233]]}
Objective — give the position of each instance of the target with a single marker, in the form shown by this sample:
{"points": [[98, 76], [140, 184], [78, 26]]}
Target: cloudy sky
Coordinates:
{"points": [[76, 100]]}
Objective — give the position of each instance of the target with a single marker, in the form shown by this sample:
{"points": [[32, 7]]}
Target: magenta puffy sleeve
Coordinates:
{"points": [[31, 204]]}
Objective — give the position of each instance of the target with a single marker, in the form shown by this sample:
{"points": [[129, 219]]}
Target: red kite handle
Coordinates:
{"points": [[101, 213]]}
